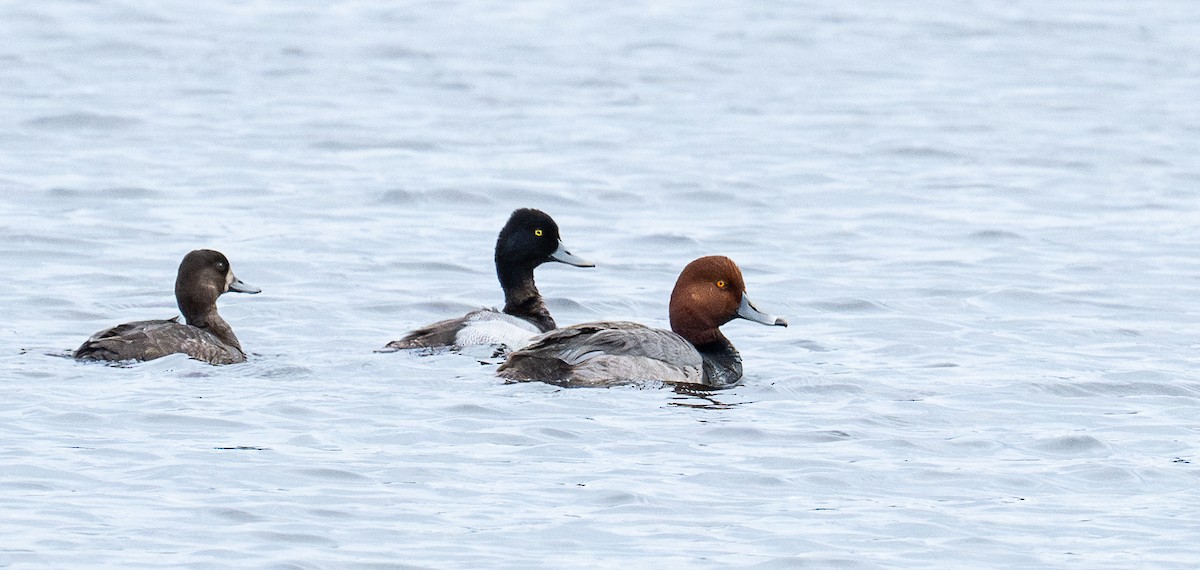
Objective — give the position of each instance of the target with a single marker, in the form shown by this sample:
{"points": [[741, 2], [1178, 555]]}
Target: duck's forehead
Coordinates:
{"points": [[717, 267], [524, 220], [208, 257], [542, 220]]}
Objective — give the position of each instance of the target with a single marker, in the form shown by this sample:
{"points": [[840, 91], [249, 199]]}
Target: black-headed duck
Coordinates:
{"points": [[529, 239], [709, 293], [203, 276]]}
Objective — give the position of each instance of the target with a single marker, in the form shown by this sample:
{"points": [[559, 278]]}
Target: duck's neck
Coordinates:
{"points": [[521, 297], [722, 363], [213, 323]]}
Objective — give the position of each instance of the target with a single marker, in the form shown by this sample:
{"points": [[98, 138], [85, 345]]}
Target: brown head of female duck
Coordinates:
{"points": [[204, 275]]}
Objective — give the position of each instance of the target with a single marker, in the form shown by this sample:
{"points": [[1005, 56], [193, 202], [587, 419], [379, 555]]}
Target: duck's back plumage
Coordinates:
{"points": [[147, 340], [606, 353]]}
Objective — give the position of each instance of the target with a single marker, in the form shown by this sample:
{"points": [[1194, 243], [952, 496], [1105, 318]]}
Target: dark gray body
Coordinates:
{"points": [[147, 340], [613, 353]]}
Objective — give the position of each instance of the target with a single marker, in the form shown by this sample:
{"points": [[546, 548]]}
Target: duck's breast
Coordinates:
{"points": [[605, 354]]}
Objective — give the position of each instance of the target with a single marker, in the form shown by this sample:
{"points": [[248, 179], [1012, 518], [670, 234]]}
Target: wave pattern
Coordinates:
{"points": [[978, 217]]}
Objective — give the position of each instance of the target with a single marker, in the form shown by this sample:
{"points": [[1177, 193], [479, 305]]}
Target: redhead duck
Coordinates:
{"points": [[529, 239], [709, 293], [203, 276]]}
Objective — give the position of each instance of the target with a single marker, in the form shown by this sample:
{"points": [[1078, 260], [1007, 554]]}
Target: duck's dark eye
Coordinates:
{"points": [[537, 232]]}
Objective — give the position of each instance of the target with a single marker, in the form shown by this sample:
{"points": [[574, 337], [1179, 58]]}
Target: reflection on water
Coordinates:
{"points": [[700, 398]]}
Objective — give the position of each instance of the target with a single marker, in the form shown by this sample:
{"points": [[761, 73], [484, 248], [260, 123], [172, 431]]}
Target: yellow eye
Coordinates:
{"points": [[537, 233], [721, 283]]}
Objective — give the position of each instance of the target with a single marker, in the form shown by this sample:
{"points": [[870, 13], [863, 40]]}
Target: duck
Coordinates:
{"points": [[204, 275], [709, 293], [529, 239]]}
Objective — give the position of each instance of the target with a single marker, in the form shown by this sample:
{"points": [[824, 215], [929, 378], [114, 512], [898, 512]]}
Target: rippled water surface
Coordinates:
{"points": [[979, 217]]}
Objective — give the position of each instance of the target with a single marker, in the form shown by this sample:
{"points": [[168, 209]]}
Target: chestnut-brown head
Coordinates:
{"points": [[709, 293]]}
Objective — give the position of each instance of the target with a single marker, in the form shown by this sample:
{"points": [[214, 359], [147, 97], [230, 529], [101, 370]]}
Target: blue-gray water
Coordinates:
{"points": [[979, 217]]}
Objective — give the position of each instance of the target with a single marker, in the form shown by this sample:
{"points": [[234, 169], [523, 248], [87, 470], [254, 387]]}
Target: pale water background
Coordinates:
{"points": [[979, 217]]}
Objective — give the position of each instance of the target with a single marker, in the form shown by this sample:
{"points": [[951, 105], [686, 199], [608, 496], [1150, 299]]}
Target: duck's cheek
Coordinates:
{"points": [[228, 281]]}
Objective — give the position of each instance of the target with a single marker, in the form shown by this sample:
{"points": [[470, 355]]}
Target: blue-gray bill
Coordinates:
{"points": [[238, 286], [748, 311], [563, 256]]}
